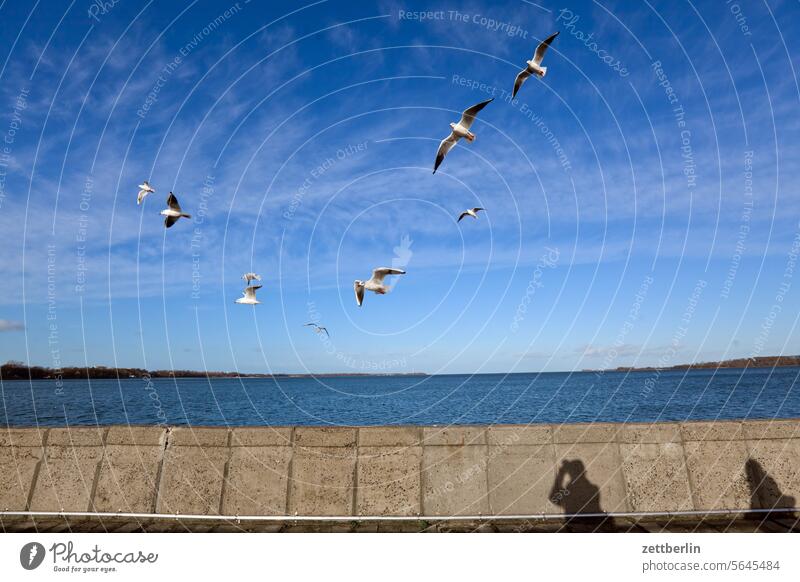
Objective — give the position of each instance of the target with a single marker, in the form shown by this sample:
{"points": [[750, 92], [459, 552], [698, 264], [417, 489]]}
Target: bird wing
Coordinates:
{"points": [[359, 289], [463, 214], [444, 147], [521, 78], [379, 273], [325, 329], [146, 186], [469, 114], [172, 202], [142, 194], [542, 48], [477, 209], [250, 292], [310, 324], [170, 220]]}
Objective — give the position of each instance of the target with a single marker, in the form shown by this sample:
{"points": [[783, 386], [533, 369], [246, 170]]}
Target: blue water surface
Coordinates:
{"points": [[447, 399]]}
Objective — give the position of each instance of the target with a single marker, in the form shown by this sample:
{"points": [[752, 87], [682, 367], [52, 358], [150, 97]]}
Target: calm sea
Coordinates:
{"points": [[478, 399]]}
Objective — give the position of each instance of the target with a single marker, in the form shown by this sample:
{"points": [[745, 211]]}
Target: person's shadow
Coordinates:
{"points": [[764, 491], [578, 496]]}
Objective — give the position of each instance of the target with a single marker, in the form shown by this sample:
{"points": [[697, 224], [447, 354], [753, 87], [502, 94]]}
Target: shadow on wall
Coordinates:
{"points": [[764, 491], [573, 491], [579, 498]]}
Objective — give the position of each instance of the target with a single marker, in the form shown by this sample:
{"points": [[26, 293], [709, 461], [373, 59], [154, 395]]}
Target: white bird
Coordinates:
{"points": [[251, 277], [318, 328], [459, 130], [249, 296], [534, 65], [375, 284], [144, 190], [173, 212], [473, 212]]}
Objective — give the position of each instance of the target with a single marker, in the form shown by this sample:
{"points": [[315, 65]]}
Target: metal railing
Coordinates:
{"points": [[366, 518]]}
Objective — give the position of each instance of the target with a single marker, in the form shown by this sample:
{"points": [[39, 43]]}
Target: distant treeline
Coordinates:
{"points": [[759, 362], [19, 371]]}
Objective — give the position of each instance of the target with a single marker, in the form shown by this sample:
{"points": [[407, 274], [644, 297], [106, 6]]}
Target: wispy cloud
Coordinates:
{"points": [[7, 325]]}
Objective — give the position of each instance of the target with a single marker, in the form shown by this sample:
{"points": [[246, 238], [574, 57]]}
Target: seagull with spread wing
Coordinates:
{"points": [[534, 65], [248, 277], [318, 328], [375, 283], [144, 190], [249, 296], [473, 212], [459, 130], [173, 211]]}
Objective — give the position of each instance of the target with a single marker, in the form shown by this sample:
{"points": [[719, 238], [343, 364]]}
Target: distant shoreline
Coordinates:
{"points": [[19, 371], [738, 363]]}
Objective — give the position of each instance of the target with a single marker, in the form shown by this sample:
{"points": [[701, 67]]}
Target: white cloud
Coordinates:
{"points": [[8, 325]]}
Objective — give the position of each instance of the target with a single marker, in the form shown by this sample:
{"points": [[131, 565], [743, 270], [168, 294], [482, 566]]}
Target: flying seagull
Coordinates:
{"points": [[473, 212], [174, 212], [375, 284], [318, 328], [534, 65], [459, 130], [251, 277], [249, 296], [144, 190]]}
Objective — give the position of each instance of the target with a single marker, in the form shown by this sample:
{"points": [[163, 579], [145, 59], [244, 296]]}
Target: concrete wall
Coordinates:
{"points": [[409, 471]]}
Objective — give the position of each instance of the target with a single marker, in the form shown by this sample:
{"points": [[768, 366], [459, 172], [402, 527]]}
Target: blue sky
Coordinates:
{"points": [[642, 201]]}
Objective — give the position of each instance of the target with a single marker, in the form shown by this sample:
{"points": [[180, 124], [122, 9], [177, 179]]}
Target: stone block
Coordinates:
{"points": [[755, 430], [519, 435], [660, 432], [198, 437], [585, 433], [257, 481], [716, 473], [136, 435], [262, 436], [22, 437], [17, 466], [720, 430], [127, 479], [656, 478], [76, 437], [455, 480], [191, 480], [324, 436], [66, 478], [389, 436], [453, 435], [323, 480], [520, 479], [389, 481]]}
